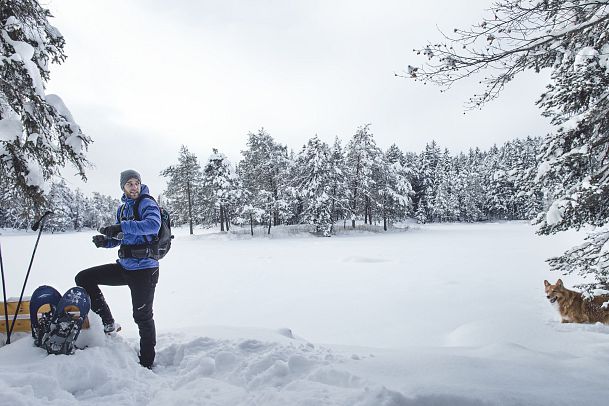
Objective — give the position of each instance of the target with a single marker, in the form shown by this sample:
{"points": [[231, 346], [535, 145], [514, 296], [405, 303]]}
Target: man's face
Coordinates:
{"points": [[132, 188]]}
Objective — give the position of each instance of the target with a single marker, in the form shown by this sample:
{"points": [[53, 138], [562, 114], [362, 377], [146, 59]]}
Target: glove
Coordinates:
{"points": [[99, 240], [111, 231]]}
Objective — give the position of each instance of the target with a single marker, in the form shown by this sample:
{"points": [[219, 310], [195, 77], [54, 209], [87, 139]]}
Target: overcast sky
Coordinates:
{"points": [[144, 77]]}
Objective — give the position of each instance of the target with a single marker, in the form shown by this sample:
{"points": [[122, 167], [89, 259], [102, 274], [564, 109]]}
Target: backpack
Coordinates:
{"points": [[160, 245]]}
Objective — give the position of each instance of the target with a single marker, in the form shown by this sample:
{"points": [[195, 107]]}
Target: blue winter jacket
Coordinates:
{"points": [[137, 232]]}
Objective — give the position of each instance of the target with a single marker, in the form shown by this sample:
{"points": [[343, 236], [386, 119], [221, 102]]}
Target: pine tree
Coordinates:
{"points": [[528, 194], [220, 179], [16, 210], [101, 211], [393, 189], [470, 186], [264, 172], [338, 180], [445, 204], [60, 201], [500, 189], [425, 183], [184, 189], [314, 184], [363, 158], [38, 135]]}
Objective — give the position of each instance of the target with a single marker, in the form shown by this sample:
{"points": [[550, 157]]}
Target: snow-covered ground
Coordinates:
{"points": [[451, 314]]}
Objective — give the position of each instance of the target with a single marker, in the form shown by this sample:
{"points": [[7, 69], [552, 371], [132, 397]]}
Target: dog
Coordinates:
{"points": [[574, 308]]}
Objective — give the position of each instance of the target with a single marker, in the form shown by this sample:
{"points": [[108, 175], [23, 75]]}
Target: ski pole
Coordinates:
{"points": [[8, 337], [39, 223]]}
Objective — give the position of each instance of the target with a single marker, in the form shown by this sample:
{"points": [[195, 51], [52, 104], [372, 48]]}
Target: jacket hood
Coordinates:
{"points": [[144, 191]]}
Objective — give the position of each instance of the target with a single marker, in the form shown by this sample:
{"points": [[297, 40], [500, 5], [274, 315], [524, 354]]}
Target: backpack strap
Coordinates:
{"points": [[136, 205]]}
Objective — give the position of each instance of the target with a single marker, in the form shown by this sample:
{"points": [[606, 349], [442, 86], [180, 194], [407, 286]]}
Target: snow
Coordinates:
{"points": [[555, 212], [444, 314], [603, 59], [10, 129], [543, 168], [24, 52], [74, 141], [35, 176], [584, 56]]}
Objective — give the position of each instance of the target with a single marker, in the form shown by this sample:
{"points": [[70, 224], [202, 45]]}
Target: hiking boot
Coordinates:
{"points": [[112, 328], [146, 362]]}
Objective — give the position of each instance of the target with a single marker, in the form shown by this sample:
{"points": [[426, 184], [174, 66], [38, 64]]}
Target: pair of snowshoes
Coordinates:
{"points": [[57, 328]]}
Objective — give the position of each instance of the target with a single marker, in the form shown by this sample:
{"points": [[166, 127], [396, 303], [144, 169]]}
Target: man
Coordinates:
{"points": [[134, 232]]}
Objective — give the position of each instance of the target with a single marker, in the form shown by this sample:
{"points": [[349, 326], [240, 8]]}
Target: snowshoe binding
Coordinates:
{"points": [[66, 323], [43, 295]]}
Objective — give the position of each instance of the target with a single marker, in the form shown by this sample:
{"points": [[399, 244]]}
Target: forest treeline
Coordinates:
{"points": [[320, 185], [323, 184]]}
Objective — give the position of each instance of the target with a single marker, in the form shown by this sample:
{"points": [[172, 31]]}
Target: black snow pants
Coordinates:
{"points": [[142, 283]]}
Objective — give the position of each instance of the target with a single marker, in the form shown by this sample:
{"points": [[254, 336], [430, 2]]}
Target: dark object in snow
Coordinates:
{"points": [[57, 329], [43, 296]]}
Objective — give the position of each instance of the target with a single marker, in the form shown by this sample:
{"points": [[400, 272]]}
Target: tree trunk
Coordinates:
{"points": [[334, 215], [270, 222], [252, 224], [353, 207], [189, 205], [226, 219], [221, 218], [384, 214]]}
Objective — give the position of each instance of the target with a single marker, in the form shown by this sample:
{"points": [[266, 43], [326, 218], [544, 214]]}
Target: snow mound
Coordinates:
{"points": [[251, 367]]}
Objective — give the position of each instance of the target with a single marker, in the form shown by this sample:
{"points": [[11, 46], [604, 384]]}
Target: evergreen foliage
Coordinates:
{"points": [[264, 173], [72, 210], [219, 179], [313, 182], [185, 194], [316, 188], [363, 159], [568, 38], [38, 135]]}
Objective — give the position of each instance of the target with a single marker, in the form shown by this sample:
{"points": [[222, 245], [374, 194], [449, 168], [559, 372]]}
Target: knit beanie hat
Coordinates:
{"points": [[129, 174]]}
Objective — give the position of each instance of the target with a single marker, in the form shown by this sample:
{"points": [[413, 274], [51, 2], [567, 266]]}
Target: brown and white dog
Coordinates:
{"points": [[573, 307]]}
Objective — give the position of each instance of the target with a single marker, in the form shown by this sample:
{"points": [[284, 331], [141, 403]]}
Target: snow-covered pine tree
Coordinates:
{"points": [[313, 181], [528, 194], [470, 186], [445, 204], [184, 190], [16, 210], [102, 210], [393, 189], [78, 208], [60, 201], [38, 135], [220, 179], [570, 39], [500, 189], [363, 157], [425, 184], [264, 172], [338, 178]]}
